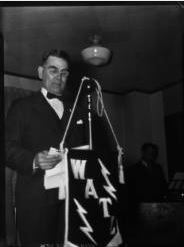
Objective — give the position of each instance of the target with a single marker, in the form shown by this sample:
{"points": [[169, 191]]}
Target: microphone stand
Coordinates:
{"points": [[89, 100], [72, 113]]}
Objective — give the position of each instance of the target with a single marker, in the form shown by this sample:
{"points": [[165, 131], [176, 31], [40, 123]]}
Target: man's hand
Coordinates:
{"points": [[45, 161]]}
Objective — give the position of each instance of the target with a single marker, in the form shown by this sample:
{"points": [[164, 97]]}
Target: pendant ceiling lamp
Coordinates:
{"points": [[96, 54]]}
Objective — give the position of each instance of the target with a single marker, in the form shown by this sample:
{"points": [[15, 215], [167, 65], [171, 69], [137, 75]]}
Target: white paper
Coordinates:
{"points": [[55, 177]]}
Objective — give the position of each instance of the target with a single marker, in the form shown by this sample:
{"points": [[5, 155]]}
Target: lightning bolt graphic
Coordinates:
{"points": [[109, 188], [86, 229]]}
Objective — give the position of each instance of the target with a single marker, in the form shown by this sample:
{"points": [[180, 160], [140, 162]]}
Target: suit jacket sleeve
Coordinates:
{"points": [[17, 157]]}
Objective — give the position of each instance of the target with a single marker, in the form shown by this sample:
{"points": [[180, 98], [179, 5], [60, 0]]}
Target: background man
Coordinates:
{"points": [[145, 179]]}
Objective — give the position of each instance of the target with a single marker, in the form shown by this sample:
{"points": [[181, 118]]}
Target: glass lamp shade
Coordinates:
{"points": [[96, 55]]}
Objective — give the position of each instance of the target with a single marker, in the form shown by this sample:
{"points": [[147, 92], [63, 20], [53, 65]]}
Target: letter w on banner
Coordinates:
{"points": [[91, 200]]}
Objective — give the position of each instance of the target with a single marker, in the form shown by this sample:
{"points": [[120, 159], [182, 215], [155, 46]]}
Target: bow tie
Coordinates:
{"points": [[53, 96]]}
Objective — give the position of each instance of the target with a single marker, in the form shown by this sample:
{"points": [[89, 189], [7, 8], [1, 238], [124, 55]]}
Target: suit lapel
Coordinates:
{"points": [[49, 115], [58, 126]]}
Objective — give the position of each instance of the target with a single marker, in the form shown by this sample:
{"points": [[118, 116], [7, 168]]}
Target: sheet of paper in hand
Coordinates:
{"points": [[91, 201]]}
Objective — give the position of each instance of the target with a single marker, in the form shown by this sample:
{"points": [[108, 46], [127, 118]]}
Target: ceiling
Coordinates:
{"points": [[145, 40]]}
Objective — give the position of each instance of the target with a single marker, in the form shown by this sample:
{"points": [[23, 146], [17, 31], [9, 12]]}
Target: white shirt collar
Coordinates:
{"points": [[56, 104], [144, 163], [44, 92]]}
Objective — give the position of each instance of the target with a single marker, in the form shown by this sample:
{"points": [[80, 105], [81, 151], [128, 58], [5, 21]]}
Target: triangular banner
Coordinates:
{"points": [[91, 200]]}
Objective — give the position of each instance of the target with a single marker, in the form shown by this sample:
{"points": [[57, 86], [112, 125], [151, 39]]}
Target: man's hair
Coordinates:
{"points": [[56, 53], [149, 145]]}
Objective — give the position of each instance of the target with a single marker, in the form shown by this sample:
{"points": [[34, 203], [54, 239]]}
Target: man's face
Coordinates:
{"points": [[54, 74], [149, 154]]}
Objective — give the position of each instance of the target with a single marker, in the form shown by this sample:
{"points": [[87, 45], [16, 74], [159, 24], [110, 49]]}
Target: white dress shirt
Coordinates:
{"points": [[56, 104]]}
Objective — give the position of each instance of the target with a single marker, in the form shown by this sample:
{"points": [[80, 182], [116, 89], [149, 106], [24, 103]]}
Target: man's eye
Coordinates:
{"points": [[53, 71]]}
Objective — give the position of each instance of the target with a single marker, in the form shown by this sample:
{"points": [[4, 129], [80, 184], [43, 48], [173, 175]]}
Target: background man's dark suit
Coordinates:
{"points": [[146, 183]]}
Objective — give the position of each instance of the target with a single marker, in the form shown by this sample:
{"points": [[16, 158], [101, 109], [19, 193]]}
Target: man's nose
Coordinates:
{"points": [[59, 76]]}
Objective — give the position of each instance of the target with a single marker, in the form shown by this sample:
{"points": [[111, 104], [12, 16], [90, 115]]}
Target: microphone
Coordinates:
{"points": [[84, 78], [89, 84]]}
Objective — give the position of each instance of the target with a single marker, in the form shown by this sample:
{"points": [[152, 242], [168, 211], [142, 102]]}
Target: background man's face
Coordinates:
{"points": [[149, 154], [54, 74]]}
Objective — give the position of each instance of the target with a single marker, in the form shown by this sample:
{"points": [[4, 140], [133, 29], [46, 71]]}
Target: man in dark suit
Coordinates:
{"points": [[34, 124], [145, 179]]}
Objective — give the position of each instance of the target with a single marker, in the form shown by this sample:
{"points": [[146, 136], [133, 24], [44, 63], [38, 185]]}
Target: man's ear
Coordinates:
{"points": [[40, 72]]}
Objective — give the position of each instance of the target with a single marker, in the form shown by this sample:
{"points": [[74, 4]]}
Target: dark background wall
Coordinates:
{"points": [[173, 107]]}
